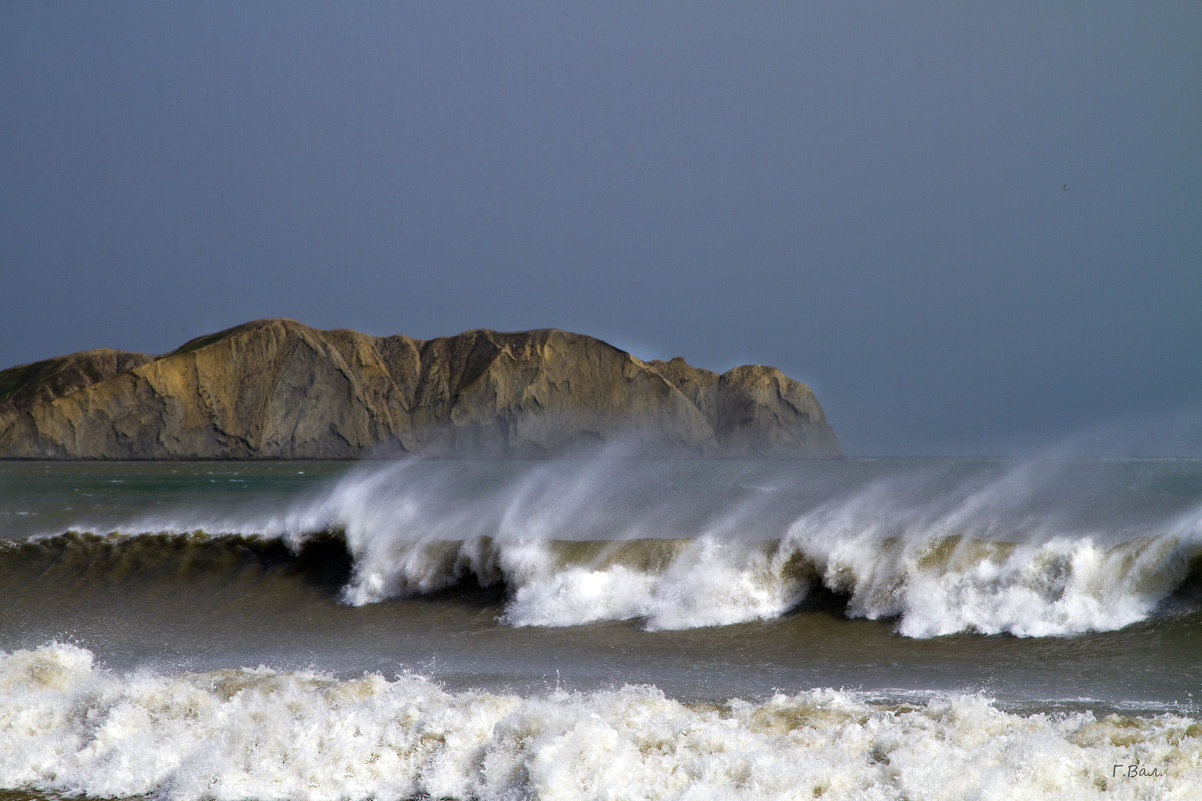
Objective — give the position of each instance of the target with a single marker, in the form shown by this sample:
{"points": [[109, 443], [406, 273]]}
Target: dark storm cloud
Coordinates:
{"points": [[970, 228]]}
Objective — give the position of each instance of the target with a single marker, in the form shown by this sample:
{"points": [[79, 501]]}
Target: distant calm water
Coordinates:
{"points": [[601, 628]]}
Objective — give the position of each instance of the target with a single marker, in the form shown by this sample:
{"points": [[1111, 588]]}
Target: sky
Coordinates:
{"points": [[971, 228]]}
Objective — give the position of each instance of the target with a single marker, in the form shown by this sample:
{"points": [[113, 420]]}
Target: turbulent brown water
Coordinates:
{"points": [[602, 627]]}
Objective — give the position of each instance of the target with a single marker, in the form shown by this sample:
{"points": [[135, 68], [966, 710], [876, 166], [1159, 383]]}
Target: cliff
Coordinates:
{"points": [[276, 389]]}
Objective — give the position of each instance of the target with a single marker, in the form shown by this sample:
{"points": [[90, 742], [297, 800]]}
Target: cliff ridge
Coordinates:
{"points": [[277, 389]]}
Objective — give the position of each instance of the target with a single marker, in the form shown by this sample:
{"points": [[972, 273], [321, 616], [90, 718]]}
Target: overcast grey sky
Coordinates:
{"points": [[970, 227]]}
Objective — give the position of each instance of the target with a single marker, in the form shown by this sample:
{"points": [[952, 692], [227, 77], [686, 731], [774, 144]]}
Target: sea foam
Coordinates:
{"points": [[69, 727]]}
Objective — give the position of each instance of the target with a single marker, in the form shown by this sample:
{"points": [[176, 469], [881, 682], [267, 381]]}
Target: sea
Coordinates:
{"points": [[604, 626]]}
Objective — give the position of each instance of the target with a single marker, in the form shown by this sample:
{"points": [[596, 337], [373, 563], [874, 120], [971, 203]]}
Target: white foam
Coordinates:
{"points": [[68, 727], [709, 583]]}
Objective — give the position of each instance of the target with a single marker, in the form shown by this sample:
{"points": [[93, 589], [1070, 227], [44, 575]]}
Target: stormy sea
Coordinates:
{"points": [[601, 627]]}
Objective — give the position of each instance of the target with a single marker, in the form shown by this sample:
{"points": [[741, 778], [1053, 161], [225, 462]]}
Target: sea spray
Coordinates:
{"points": [[1001, 549], [1040, 548]]}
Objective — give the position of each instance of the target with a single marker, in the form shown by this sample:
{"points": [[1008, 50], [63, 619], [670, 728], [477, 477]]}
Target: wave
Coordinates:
{"points": [[1024, 550], [932, 587], [1015, 550], [69, 727]]}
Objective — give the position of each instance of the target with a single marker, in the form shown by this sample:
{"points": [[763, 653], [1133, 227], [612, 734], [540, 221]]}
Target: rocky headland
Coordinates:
{"points": [[276, 389]]}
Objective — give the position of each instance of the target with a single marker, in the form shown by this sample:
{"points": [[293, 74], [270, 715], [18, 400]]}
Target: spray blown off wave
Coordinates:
{"points": [[679, 545], [69, 727], [1029, 549]]}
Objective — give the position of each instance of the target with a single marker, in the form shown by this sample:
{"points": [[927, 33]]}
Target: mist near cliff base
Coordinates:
{"points": [[1162, 435]]}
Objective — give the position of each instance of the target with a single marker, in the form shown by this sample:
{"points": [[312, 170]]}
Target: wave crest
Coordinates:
{"points": [[989, 549]]}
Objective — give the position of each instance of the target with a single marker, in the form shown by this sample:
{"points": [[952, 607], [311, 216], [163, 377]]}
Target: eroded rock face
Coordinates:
{"points": [[276, 389]]}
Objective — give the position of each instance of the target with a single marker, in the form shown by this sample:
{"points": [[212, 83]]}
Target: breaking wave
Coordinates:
{"points": [[69, 727], [611, 540], [934, 587], [1015, 550]]}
